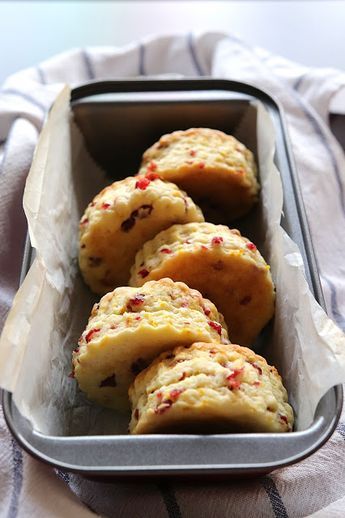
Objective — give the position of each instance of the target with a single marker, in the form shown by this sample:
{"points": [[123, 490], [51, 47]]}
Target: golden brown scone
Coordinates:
{"points": [[215, 169], [131, 326], [209, 388], [118, 222], [224, 266]]}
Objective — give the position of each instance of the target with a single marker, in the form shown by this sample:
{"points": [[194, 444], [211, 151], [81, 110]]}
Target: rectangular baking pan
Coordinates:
{"points": [[119, 119]]}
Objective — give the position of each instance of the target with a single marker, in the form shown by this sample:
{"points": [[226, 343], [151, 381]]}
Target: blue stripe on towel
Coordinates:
{"points": [[25, 96], [318, 130], [272, 492], [141, 59], [299, 81], [338, 317], [17, 479], [41, 75], [170, 501], [341, 429], [88, 64], [192, 51]]}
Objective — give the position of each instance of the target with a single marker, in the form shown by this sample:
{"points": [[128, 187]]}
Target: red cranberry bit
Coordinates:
{"points": [[232, 381], [136, 414], [76, 350], [152, 176], [91, 333], [201, 165], [142, 183], [192, 152], [105, 206], [175, 393], [138, 318], [283, 418], [165, 250], [217, 241], [108, 382], [84, 221], [152, 166], [245, 300], [159, 395], [217, 327], [143, 273], [251, 246], [94, 261], [207, 311], [137, 300], [257, 367]]}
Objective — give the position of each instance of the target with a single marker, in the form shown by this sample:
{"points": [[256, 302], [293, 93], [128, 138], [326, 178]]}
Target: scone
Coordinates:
{"points": [[209, 388], [224, 266], [214, 168], [118, 222], [131, 326]]}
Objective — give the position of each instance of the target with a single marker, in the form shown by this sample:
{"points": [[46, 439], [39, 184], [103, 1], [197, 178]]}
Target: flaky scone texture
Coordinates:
{"points": [[118, 222], [131, 326], [224, 266], [209, 388], [214, 168]]}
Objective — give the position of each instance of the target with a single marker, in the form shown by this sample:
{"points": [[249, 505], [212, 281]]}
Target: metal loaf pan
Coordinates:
{"points": [[119, 120]]}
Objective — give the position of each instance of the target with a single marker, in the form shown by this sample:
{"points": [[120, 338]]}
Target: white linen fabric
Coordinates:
{"points": [[313, 487]]}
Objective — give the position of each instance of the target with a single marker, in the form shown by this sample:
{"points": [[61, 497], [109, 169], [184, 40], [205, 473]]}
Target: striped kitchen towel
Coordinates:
{"points": [[314, 487]]}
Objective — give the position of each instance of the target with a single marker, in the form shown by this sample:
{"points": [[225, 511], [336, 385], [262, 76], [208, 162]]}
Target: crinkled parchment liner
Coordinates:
{"points": [[52, 305]]}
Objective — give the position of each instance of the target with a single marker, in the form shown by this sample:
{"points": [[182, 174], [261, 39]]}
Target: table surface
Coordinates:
{"points": [[309, 32]]}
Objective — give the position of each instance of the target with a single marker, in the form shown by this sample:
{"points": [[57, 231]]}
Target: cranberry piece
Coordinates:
{"points": [[283, 418], [84, 221], [257, 367], [142, 183], [175, 393], [251, 246], [207, 311], [165, 250], [143, 273], [192, 152], [217, 327], [201, 165], [232, 381], [91, 333], [218, 240], [137, 300], [152, 166], [105, 206]]}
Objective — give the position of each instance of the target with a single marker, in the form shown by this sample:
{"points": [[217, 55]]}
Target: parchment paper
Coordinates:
{"points": [[52, 306]]}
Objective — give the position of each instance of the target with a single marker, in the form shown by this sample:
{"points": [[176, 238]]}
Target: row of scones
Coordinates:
{"points": [[158, 341]]}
